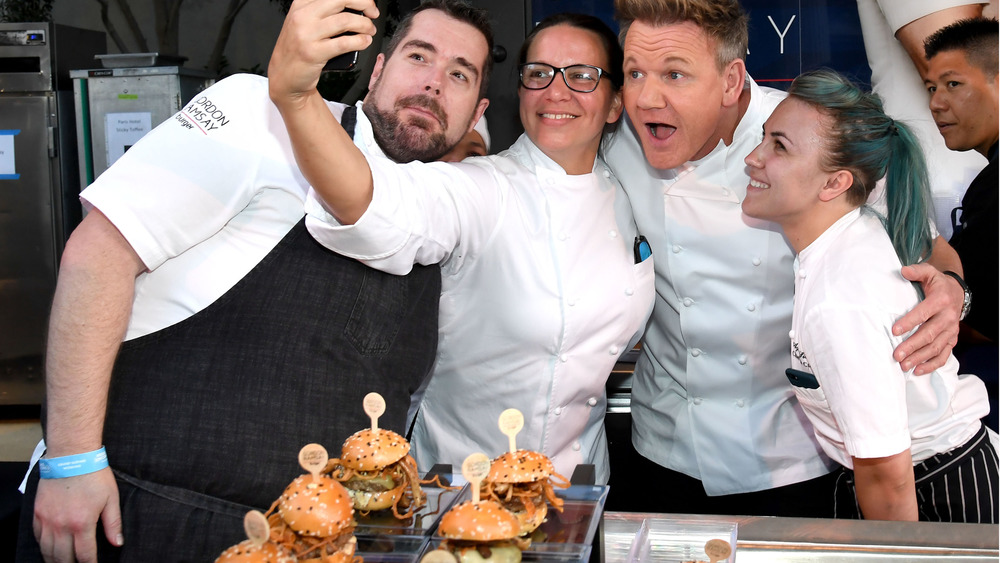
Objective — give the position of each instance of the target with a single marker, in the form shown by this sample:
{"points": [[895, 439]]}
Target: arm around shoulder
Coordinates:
{"points": [[937, 315]]}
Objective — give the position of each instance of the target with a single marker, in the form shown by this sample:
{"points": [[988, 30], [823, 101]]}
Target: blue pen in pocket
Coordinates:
{"points": [[641, 249]]}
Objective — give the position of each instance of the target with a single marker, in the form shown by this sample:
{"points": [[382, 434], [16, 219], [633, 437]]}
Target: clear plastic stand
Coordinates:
{"points": [[638, 552]]}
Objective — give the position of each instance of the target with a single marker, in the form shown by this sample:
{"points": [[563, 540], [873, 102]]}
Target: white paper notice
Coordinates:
{"points": [[7, 170], [124, 130]]}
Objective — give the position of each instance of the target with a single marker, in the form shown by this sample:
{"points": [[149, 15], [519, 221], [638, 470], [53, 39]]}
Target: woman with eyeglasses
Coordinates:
{"points": [[545, 281]]}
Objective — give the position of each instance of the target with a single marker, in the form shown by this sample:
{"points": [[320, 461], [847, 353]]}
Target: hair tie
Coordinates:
{"points": [[892, 129]]}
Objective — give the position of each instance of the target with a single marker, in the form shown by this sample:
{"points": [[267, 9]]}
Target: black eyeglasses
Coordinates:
{"points": [[579, 78]]}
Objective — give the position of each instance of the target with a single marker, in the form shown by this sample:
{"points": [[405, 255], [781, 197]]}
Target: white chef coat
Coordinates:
{"points": [[848, 294], [249, 194], [540, 295], [709, 397], [902, 90]]}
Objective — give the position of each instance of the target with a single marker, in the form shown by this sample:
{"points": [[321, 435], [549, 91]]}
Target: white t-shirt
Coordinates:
{"points": [[540, 296], [204, 197], [848, 294]]}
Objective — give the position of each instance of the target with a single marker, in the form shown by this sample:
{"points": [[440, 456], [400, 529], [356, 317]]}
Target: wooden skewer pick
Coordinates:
{"points": [[717, 550], [313, 458], [511, 422], [474, 469], [374, 407], [256, 526]]}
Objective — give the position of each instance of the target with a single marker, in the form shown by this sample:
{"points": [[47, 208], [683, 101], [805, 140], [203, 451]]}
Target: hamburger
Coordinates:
{"points": [[523, 482], [378, 472], [476, 532], [248, 551], [315, 520]]}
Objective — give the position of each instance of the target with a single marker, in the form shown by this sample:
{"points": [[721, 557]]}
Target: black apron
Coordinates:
{"points": [[205, 418]]}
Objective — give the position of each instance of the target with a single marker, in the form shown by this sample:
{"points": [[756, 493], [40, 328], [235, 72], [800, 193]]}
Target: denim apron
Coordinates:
{"points": [[205, 418]]}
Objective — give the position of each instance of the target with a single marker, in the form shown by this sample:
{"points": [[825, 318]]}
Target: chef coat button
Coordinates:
{"points": [[629, 291], [791, 334], [751, 307], [576, 446], [756, 261], [613, 350], [801, 273], [557, 411], [697, 400], [676, 248], [607, 173], [688, 301], [571, 302], [740, 403], [743, 360], [592, 401], [564, 358], [725, 191], [563, 236], [695, 352], [612, 234]]}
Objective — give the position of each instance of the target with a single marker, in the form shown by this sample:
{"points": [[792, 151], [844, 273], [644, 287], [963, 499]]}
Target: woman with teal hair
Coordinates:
{"points": [[912, 447]]}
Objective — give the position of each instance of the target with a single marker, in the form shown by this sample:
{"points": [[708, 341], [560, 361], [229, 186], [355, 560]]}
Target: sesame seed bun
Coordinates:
{"points": [[247, 552], [320, 508], [369, 450], [372, 500], [522, 466], [483, 521]]}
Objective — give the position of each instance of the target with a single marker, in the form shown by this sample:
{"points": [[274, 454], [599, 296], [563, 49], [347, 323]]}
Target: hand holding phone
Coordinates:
{"points": [[344, 62]]}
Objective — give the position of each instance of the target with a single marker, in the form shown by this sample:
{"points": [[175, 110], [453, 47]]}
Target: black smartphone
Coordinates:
{"points": [[344, 62], [802, 379]]}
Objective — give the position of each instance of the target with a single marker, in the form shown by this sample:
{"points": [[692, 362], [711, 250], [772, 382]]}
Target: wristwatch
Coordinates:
{"points": [[967, 300]]}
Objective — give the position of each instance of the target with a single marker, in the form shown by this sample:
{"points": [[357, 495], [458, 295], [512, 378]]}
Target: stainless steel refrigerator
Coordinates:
{"points": [[39, 185]]}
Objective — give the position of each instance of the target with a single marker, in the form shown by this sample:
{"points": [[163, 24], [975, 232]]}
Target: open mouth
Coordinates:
{"points": [[759, 185], [660, 130]]}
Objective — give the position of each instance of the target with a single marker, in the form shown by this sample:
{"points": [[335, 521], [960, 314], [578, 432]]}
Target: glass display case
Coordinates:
{"points": [[761, 539]]}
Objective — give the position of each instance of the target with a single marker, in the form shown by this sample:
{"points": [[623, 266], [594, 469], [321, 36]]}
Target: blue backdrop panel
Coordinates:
{"points": [[787, 37]]}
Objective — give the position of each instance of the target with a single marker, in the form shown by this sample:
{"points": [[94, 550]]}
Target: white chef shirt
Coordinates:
{"points": [[198, 223], [540, 296], [848, 294], [710, 398]]}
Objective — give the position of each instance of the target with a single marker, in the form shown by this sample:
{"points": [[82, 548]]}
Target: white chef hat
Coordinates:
{"points": [[483, 131]]}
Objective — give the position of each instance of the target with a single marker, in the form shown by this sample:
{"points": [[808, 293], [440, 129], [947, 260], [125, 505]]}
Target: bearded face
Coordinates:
{"points": [[414, 136]]}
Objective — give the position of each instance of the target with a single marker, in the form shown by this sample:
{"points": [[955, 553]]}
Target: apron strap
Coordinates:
{"points": [[349, 120]]}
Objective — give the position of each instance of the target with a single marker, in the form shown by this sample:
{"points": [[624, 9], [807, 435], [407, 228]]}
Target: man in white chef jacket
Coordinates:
{"points": [[715, 425]]}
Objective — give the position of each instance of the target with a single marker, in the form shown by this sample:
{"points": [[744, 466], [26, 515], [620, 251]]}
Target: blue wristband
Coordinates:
{"points": [[73, 465]]}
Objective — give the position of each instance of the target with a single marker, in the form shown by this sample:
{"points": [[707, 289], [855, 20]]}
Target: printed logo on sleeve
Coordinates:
{"points": [[202, 114]]}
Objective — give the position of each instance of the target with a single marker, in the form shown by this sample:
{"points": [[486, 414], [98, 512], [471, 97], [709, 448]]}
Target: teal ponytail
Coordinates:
{"points": [[871, 145]]}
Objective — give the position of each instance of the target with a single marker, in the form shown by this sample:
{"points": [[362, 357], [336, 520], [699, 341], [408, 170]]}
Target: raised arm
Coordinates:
{"points": [[90, 314], [311, 35], [913, 34]]}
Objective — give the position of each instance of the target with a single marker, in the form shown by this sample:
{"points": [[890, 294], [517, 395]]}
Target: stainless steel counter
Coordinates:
{"points": [[778, 540]]}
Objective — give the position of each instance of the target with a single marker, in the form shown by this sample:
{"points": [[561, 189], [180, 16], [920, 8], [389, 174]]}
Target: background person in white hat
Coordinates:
{"points": [[474, 143]]}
